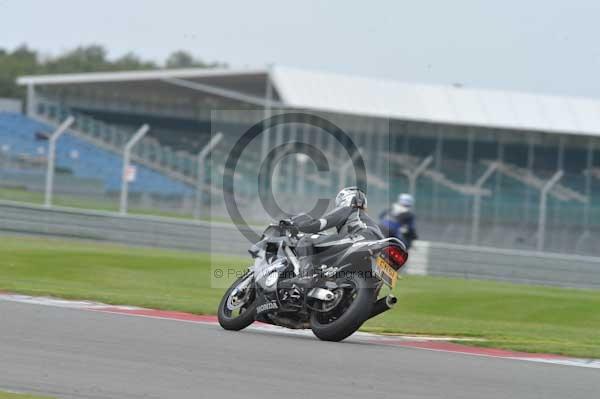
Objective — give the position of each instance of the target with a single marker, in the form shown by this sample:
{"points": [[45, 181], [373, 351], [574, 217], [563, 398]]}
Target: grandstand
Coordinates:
{"points": [[396, 125], [83, 159]]}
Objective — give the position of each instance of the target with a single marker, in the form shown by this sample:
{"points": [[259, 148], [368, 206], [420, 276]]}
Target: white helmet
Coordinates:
{"points": [[406, 200], [351, 196]]}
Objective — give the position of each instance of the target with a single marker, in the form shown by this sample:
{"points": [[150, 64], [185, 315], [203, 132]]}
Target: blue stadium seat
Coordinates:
{"points": [[21, 136]]}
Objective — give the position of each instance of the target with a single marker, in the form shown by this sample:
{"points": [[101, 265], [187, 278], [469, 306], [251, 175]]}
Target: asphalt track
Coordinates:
{"points": [[72, 353]]}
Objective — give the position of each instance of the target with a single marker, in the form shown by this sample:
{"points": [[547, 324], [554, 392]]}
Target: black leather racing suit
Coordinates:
{"points": [[348, 221]]}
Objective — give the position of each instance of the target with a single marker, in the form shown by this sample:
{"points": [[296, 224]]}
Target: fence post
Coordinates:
{"points": [[31, 100], [542, 217], [200, 172], [126, 160], [414, 175], [268, 111], [51, 156], [477, 201], [343, 173]]}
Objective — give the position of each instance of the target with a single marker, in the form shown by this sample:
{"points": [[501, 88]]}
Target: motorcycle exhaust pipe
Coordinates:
{"points": [[383, 305]]}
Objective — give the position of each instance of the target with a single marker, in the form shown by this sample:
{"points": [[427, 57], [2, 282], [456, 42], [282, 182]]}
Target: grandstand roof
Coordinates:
{"points": [[336, 93], [132, 76]]}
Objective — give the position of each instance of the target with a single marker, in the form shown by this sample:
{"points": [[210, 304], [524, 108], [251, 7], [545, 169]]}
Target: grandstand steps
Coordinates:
{"points": [[411, 163], [315, 178], [179, 165], [559, 191], [405, 160], [377, 181], [115, 149], [465, 189], [372, 179], [113, 139], [24, 144], [594, 172]]}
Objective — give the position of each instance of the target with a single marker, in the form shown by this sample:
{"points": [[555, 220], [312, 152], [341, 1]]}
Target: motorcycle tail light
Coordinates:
{"points": [[396, 256]]}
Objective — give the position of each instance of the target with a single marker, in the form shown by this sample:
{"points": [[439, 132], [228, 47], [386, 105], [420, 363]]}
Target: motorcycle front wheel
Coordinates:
{"points": [[237, 309], [349, 314]]}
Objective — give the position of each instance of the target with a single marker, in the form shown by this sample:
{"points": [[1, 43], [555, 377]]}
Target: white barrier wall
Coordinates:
{"points": [[427, 258]]}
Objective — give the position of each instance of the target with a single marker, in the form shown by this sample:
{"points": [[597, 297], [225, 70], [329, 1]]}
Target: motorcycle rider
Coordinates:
{"points": [[349, 217], [399, 221]]}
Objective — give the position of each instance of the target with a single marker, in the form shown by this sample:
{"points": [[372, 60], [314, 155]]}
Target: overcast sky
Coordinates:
{"points": [[545, 46]]}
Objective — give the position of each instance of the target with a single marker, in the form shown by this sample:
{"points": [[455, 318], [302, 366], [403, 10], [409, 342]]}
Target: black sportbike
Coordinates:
{"points": [[334, 295]]}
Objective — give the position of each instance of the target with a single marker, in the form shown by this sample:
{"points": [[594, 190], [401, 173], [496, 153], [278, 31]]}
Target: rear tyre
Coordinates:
{"points": [[347, 317], [237, 309]]}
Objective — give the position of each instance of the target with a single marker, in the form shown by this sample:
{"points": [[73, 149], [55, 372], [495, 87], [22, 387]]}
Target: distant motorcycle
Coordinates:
{"points": [[333, 299]]}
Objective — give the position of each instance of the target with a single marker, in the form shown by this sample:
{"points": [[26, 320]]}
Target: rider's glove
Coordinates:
{"points": [[286, 223], [289, 225]]}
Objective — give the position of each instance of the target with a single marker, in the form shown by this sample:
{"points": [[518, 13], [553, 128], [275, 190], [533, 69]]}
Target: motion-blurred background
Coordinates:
{"points": [[117, 121], [495, 135]]}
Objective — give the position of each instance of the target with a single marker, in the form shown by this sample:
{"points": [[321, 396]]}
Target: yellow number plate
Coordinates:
{"points": [[386, 272]]}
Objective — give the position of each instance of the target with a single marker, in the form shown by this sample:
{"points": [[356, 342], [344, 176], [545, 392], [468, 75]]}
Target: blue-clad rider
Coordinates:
{"points": [[399, 220]]}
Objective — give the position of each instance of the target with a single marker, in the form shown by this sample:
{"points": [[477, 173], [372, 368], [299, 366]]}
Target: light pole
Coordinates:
{"points": [[126, 160], [51, 156], [268, 108]]}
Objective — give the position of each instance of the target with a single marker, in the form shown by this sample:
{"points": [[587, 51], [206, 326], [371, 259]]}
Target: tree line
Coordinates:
{"points": [[90, 58]]}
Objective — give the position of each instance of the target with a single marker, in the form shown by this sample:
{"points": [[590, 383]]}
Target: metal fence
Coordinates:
{"points": [[427, 258], [491, 199]]}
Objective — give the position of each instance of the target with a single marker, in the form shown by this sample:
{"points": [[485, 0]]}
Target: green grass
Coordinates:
{"points": [[519, 317], [511, 316], [111, 273], [6, 395]]}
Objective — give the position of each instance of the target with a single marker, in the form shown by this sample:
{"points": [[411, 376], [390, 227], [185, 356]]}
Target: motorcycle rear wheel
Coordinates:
{"points": [[227, 308], [349, 315]]}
